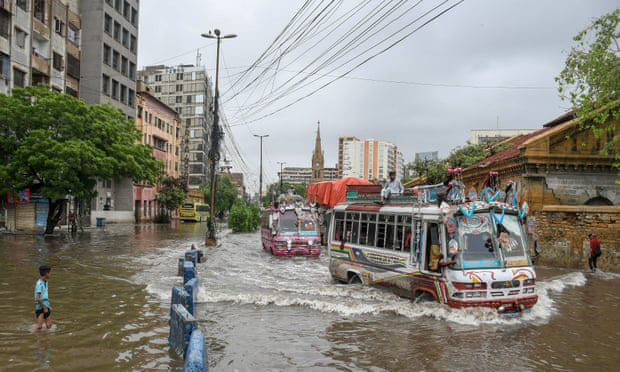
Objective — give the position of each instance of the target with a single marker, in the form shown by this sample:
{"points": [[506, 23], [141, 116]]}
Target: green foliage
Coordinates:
{"points": [[435, 171], [274, 188], [57, 144], [172, 193], [590, 81], [225, 194], [464, 156], [243, 218]]}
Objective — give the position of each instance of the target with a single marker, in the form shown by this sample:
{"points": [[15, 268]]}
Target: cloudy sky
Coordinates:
{"points": [[482, 63]]}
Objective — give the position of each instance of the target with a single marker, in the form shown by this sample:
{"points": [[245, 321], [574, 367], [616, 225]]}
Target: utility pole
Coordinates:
{"points": [[214, 152], [281, 164], [260, 176]]}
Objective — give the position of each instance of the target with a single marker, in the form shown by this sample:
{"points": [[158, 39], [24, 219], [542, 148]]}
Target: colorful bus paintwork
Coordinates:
{"points": [[397, 245], [290, 231]]}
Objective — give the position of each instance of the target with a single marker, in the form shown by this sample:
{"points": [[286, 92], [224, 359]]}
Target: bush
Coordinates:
{"points": [[243, 218], [161, 217]]}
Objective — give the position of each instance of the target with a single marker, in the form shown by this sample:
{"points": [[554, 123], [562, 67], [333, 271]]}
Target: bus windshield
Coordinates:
{"points": [[477, 246], [512, 242], [288, 223], [291, 224]]}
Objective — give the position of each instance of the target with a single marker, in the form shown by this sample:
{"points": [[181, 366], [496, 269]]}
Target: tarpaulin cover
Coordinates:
{"points": [[332, 192]]}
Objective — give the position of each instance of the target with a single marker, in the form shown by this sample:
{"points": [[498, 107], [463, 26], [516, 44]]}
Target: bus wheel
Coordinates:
{"points": [[353, 278], [423, 296]]}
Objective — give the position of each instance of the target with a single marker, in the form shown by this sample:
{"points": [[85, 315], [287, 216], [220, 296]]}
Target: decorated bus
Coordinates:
{"points": [[436, 244], [290, 228]]}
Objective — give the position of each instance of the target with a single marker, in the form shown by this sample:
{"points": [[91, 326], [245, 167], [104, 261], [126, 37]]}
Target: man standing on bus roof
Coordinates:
{"points": [[391, 187]]}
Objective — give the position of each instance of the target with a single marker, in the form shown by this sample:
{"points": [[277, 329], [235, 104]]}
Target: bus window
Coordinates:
{"points": [[433, 247], [381, 231], [372, 230], [188, 205], [354, 227], [400, 228], [389, 232], [364, 229], [339, 225]]}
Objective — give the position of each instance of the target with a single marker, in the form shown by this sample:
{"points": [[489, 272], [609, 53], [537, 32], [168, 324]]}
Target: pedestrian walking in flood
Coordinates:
{"points": [[595, 251], [43, 310]]}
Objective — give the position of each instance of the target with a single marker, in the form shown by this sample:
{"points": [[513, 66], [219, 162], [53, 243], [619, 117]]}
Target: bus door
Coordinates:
{"points": [[432, 248]]}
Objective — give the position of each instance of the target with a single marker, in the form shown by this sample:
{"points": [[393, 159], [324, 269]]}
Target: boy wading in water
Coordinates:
{"points": [[43, 310]]}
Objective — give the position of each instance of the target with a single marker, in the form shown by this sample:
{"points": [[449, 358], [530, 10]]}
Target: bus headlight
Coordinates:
{"points": [[310, 242]]}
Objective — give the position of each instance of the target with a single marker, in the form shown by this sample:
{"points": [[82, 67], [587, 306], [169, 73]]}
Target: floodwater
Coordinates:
{"points": [[110, 293]]}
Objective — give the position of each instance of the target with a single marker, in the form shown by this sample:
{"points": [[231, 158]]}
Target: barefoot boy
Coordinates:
{"points": [[42, 306]]}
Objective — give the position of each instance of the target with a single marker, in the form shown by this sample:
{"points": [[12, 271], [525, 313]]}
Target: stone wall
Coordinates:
{"points": [[579, 187], [562, 233]]}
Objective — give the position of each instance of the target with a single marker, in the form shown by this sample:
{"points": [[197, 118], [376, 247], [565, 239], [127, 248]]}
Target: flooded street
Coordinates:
{"points": [[110, 293]]}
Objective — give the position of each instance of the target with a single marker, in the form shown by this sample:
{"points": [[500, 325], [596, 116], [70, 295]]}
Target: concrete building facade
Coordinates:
{"points": [[40, 44], [187, 89], [160, 127], [303, 176], [491, 136], [369, 159]]}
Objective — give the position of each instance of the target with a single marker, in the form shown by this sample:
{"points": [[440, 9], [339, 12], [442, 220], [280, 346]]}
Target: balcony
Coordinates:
{"points": [[39, 63]]}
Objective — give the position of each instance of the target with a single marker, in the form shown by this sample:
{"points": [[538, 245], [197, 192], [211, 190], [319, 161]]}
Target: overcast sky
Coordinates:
{"points": [[480, 43]]}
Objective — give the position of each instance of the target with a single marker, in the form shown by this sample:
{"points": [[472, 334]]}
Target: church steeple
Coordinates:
{"points": [[317, 158]]}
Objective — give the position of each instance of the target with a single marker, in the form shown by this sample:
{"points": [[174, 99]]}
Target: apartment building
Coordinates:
{"points": [[160, 127], [303, 176], [109, 49], [369, 159], [40, 43], [187, 89]]}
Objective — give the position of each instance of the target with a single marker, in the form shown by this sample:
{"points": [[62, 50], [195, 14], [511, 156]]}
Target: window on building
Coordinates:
{"points": [[59, 26], [139, 114], [188, 99], [131, 97], [157, 77], [117, 31], [73, 34], [178, 110], [180, 76], [5, 23], [150, 118], [105, 84], [22, 4], [114, 89], [72, 92], [116, 56], [132, 71], [57, 61], [133, 44], [158, 89], [134, 17], [39, 10], [125, 38], [118, 4], [107, 24], [179, 87], [124, 66], [73, 66], [179, 99], [107, 51], [19, 78], [20, 38], [4, 66], [199, 110], [123, 96], [126, 10], [200, 98]]}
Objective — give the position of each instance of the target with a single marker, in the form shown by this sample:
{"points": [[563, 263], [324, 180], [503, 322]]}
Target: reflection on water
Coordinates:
{"points": [[110, 291]]}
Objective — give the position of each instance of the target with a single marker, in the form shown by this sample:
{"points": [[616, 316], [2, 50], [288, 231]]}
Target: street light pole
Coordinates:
{"points": [[281, 163], [260, 176], [214, 152]]}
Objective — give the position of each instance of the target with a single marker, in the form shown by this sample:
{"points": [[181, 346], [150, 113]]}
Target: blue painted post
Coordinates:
{"points": [[192, 256], [181, 297], [189, 271], [196, 357], [180, 267], [182, 324], [191, 287]]}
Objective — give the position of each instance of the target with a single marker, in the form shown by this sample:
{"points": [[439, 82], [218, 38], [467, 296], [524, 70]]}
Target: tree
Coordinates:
{"points": [[434, 170], [590, 81], [56, 144], [225, 194], [172, 193], [464, 156], [243, 218]]}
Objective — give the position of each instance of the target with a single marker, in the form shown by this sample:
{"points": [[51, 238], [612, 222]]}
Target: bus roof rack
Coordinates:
{"points": [[419, 194]]}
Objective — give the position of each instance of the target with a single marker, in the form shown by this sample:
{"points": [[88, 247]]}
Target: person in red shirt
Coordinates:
{"points": [[595, 251]]}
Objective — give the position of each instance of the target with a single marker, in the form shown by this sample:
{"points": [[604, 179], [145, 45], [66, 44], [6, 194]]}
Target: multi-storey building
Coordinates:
{"points": [[187, 89], [303, 176], [427, 156], [160, 129], [369, 159], [108, 75], [40, 43], [490, 136]]}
